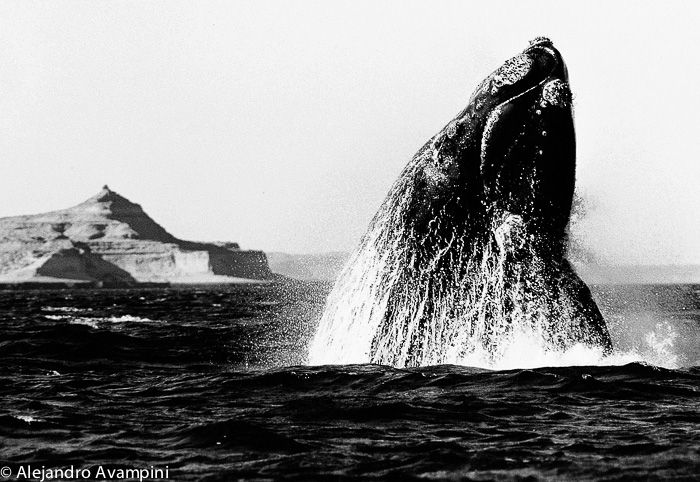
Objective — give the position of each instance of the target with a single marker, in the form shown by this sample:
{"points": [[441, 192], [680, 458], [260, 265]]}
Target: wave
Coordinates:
{"points": [[95, 320]]}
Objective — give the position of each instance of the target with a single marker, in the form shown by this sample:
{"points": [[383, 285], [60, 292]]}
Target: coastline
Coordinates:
{"points": [[45, 283]]}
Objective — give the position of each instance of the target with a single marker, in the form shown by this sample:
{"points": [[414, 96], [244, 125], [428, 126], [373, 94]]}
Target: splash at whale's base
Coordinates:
{"points": [[512, 308]]}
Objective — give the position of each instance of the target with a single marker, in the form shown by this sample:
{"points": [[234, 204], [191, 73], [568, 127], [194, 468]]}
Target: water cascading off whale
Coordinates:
{"points": [[467, 252]]}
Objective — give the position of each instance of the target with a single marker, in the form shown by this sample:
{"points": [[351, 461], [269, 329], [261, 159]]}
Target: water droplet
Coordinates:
{"points": [[540, 152], [544, 133], [538, 112]]}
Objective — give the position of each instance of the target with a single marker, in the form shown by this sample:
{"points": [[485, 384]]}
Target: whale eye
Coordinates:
{"points": [[556, 93], [511, 72]]}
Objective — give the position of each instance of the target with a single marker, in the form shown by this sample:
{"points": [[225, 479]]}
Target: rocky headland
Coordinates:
{"points": [[110, 241]]}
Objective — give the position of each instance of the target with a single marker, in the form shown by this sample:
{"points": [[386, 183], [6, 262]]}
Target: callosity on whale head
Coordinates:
{"points": [[467, 253]]}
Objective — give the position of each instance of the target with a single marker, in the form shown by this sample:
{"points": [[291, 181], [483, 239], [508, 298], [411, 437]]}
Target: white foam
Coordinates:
{"points": [[28, 418], [57, 317], [65, 309], [94, 322], [84, 321], [125, 318], [525, 351]]}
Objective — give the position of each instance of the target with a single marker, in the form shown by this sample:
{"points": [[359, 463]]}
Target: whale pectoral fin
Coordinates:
{"points": [[595, 330]]}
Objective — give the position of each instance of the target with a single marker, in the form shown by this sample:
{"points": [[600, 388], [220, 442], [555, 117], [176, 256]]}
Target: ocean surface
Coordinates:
{"points": [[210, 384]]}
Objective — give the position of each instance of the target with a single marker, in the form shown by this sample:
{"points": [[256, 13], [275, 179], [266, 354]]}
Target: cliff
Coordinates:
{"points": [[108, 240]]}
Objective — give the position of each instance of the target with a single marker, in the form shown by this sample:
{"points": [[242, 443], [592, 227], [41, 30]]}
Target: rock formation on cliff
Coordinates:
{"points": [[109, 240]]}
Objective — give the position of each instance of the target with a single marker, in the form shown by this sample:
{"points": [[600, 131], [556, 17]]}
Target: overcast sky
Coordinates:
{"points": [[282, 125]]}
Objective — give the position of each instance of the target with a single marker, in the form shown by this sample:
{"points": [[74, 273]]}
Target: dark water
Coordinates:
{"points": [[208, 383]]}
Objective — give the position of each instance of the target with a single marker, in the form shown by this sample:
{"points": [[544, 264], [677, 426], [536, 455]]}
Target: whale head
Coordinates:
{"points": [[512, 150]]}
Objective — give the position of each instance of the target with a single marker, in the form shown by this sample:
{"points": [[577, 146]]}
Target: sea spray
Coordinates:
{"points": [[471, 312]]}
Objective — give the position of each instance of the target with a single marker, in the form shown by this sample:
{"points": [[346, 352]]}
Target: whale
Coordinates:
{"points": [[467, 253]]}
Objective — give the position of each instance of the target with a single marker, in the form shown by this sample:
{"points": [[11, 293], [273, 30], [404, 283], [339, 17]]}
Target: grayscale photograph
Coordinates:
{"points": [[349, 240]]}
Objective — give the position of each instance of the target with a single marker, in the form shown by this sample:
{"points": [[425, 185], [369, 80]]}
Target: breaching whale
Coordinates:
{"points": [[468, 250]]}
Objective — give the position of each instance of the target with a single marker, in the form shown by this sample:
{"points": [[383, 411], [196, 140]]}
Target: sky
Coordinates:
{"points": [[282, 125]]}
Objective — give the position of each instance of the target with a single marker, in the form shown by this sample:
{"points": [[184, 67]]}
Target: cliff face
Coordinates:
{"points": [[110, 240]]}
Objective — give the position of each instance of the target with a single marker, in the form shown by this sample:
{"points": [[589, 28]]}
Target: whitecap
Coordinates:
{"points": [[125, 318], [65, 309], [85, 321], [28, 418]]}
